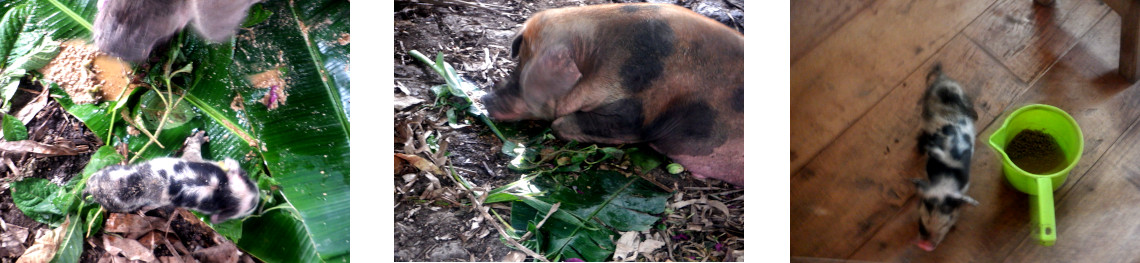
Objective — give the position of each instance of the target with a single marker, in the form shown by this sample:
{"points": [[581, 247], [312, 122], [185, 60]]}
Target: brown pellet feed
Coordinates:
{"points": [[1036, 152]]}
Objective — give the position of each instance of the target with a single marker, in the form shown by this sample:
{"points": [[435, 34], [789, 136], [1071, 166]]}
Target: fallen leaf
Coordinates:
{"points": [[626, 246], [29, 146], [404, 101], [514, 256], [400, 163], [223, 252], [33, 107], [131, 225], [421, 163], [649, 245], [719, 205], [128, 248], [46, 244], [12, 241]]}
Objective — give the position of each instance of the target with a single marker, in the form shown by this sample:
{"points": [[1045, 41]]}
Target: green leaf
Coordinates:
{"points": [[36, 197], [96, 117], [23, 46], [71, 248], [257, 14], [303, 143], [14, 130], [646, 159], [591, 204], [151, 108], [271, 237], [67, 19]]}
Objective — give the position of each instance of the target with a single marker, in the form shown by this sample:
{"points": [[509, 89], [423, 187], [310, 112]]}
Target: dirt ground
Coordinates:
{"points": [[434, 219]]}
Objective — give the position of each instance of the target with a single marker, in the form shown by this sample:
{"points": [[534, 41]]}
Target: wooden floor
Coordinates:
{"points": [[858, 70]]}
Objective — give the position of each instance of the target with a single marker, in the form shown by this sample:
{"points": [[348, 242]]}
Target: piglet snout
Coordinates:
{"points": [[926, 245]]}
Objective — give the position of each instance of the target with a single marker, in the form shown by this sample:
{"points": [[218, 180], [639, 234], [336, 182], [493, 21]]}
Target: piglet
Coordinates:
{"points": [[948, 140], [220, 189]]}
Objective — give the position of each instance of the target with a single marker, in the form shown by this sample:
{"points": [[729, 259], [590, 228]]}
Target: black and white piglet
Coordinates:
{"points": [[948, 140], [221, 189]]}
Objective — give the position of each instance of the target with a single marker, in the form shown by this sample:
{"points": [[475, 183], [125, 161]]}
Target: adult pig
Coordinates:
{"points": [[631, 73]]}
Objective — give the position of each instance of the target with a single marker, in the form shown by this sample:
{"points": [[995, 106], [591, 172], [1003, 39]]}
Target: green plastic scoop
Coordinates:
{"points": [[1057, 124]]}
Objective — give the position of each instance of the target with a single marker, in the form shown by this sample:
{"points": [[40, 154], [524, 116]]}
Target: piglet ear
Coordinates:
{"points": [[969, 200], [920, 183], [549, 74]]}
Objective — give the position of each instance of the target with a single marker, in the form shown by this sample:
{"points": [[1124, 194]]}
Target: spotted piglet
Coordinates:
{"points": [[948, 140], [220, 189], [632, 73]]}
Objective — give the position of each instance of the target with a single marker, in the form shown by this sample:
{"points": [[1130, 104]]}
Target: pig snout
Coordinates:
{"points": [[502, 108]]}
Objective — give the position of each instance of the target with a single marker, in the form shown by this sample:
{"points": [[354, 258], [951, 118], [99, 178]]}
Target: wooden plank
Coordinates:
{"points": [[1027, 38], [814, 20], [1083, 83], [851, 71], [842, 197]]}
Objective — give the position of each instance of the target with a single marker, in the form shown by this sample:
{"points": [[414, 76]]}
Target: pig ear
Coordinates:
{"points": [[920, 183], [516, 44], [969, 200], [549, 75]]}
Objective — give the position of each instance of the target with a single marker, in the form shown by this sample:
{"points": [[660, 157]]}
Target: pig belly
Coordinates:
{"points": [[726, 163]]}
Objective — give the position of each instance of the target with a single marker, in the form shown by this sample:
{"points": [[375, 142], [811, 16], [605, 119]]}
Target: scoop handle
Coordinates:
{"points": [[1043, 204]]}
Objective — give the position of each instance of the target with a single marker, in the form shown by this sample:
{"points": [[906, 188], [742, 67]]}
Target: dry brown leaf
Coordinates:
{"points": [[33, 107], [128, 248], [626, 246], [12, 241], [169, 259], [223, 252], [421, 163], [29, 146], [132, 226], [46, 243], [405, 101], [514, 256], [400, 163]]}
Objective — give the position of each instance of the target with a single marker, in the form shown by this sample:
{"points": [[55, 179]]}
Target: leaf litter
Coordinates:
{"points": [[706, 222]]}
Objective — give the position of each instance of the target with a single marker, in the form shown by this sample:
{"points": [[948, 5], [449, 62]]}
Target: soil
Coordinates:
{"points": [[435, 220], [1036, 152]]}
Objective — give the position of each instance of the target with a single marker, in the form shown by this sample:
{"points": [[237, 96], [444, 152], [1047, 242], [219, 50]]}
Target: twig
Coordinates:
{"points": [[478, 203], [548, 214], [126, 118], [503, 233]]}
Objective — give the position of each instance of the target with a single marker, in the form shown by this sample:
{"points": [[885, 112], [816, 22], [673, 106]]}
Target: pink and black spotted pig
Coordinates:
{"points": [[632, 73]]}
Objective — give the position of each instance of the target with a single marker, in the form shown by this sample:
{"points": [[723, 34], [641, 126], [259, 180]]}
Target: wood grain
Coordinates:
{"points": [[862, 180], [1028, 38], [851, 70], [814, 20], [1083, 83]]}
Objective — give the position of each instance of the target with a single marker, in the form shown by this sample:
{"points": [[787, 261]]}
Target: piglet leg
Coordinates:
{"points": [[193, 149]]}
